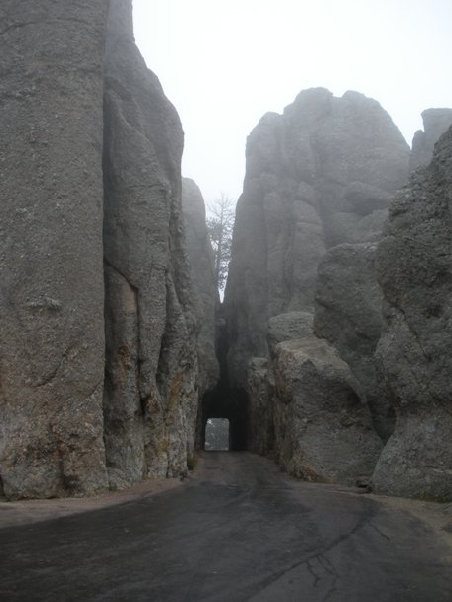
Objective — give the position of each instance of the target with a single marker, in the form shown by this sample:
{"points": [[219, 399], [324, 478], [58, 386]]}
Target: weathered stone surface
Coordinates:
{"points": [[52, 292], [436, 122], [349, 315], [98, 362], [323, 431], [289, 326], [319, 175], [260, 388], [205, 293], [150, 397], [415, 352]]}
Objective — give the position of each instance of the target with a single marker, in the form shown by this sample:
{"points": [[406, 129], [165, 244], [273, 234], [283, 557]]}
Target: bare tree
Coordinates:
{"points": [[220, 224]]}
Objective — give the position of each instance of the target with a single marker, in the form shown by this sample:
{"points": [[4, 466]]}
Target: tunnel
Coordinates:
{"points": [[231, 405]]}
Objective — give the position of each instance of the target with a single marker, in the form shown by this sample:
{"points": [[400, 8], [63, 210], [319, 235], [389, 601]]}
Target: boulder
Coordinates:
{"points": [[322, 430], [414, 262], [348, 315]]}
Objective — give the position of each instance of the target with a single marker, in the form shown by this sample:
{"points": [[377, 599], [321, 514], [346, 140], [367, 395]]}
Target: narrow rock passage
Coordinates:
{"points": [[238, 531]]}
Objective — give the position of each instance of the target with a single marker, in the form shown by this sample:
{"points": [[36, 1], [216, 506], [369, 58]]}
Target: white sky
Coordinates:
{"points": [[224, 63]]}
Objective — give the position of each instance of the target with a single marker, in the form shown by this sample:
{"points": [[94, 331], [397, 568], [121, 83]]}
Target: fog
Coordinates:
{"points": [[225, 64]]}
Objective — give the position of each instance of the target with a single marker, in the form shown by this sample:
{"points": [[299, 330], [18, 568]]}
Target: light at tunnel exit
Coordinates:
{"points": [[217, 434]]}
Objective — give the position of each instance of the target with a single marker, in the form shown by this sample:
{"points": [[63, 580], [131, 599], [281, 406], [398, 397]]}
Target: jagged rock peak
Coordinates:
{"points": [[320, 174], [436, 122]]}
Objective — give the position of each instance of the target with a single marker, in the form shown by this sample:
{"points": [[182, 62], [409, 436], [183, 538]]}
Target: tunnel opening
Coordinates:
{"points": [[232, 406], [217, 434]]}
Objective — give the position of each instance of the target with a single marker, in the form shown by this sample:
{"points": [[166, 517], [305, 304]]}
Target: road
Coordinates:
{"points": [[239, 530]]}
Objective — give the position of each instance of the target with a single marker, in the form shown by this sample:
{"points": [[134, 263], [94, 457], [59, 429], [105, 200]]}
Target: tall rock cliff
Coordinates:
{"points": [[52, 299], [205, 293], [414, 265], [318, 176], [150, 400], [98, 357]]}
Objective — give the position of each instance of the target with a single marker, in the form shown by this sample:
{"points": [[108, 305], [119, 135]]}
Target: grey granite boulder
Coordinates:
{"points": [[322, 429], [414, 265], [348, 314]]}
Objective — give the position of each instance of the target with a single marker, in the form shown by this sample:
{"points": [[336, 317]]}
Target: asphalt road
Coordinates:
{"points": [[238, 531]]}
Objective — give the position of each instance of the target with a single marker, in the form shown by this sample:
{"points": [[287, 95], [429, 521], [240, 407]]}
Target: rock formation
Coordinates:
{"points": [[52, 302], [436, 122], [150, 400], [415, 352], [205, 293], [348, 314], [318, 176], [98, 369]]}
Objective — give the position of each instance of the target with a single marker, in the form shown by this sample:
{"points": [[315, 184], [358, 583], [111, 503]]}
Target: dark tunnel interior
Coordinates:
{"points": [[232, 405]]}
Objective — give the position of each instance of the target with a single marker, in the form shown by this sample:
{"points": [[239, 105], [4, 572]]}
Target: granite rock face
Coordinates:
{"points": [[322, 429], [319, 175], [310, 410], [414, 269], [318, 183], [52, 299], [98, 356], [205, 293], [348, 315], [436, 122], [150, 400]]}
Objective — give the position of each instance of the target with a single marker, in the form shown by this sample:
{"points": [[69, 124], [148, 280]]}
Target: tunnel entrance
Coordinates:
{"points": [[217, 436], [228, 406]]}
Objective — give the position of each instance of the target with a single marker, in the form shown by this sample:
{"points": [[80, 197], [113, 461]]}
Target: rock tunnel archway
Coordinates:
{"points": [[232, 405]]}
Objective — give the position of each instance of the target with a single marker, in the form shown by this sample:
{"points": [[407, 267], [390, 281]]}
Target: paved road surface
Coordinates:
{"points": [[238, 531]]}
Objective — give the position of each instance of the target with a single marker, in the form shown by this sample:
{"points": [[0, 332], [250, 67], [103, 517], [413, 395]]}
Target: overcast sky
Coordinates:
{"points": [[224, 63]]}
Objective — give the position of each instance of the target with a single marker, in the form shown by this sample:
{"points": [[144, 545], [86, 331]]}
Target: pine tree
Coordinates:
{"points": [[220, 224]]}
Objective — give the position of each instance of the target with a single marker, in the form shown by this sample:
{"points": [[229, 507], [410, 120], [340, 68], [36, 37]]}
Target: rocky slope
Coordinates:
{"points": [[98, 368], [318, 176], [414, 269]]}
